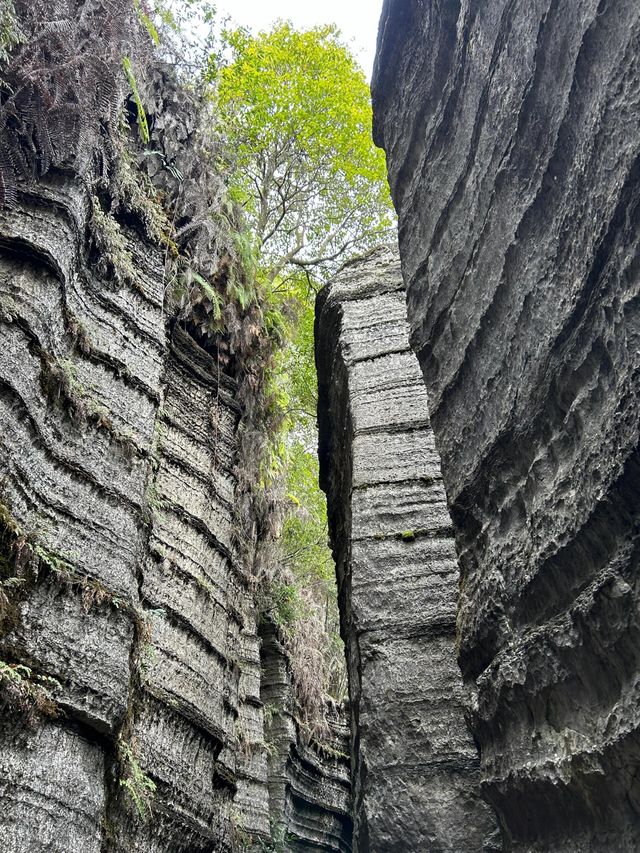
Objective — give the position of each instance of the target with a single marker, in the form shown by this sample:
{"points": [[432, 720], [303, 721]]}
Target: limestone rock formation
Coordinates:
{"points": [[415, 766], [117, 447], [138, 607], [130, 664], [512, 132], [309, 785]]}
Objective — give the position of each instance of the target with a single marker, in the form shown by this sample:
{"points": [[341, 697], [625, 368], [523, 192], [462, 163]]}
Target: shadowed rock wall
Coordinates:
{"points": [[309, 787], [415, 767], [512, 132]]}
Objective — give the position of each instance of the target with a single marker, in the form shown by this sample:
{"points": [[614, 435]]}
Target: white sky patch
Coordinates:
{"points": [[357, 20]]}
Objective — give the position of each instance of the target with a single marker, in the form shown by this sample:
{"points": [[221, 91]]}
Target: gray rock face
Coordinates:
{"points": [[415, 766], [155, 660], [309, 787], [512, 132], [50, 796], [77, 494], [130, 664], [148, 624]]}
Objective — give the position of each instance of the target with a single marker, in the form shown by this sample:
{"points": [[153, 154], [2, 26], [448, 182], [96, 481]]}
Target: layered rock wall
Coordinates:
{"points": [[512, 132], [130, 666], [415, 766], [136, 603], [309, 785], [118, 452]]}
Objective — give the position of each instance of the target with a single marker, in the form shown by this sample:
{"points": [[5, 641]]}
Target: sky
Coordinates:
{"points": [[357, 19]]}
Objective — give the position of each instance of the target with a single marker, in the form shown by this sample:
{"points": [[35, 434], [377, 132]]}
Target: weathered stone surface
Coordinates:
{"points": [[193, 801], [512, 132], [130, 670], [309, 789], [77, 489], [204, 639], [51, 791], [151, 531], [59, 634], [415, 766], [123, 592]]}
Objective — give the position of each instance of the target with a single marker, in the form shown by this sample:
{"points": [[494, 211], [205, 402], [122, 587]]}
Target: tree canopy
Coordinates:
{"points": [[297, 113]]}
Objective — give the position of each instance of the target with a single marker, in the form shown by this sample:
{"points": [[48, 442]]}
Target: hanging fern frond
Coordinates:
{"points": [[143, 124], [146, 22], [10, 31], [242, 293], [61, 81], [8, 191], [211, 294]]}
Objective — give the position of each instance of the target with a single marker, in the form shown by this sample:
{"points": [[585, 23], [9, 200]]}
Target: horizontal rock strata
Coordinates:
{"points": [[512, 132], [309, 787], [415, 766], [128, 505], [130, 670]]}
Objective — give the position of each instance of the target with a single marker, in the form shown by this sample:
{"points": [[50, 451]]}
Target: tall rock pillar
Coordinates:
{"points": [[415, 766]]}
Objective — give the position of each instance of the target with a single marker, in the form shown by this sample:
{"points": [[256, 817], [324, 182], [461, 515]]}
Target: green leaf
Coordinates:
{"points": [[211, 294], [143, 125], [146, 22]]}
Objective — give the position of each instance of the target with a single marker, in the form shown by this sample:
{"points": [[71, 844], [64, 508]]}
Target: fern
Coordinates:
{"points": [[143, 125], [146, 22], [62, 84], [28, 691], [10, 33], [244, 243], [211, 294], [116, 258], [243, 294], [140, 787]]}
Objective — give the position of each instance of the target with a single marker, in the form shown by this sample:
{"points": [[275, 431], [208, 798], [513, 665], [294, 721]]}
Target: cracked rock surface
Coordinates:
{"points": [[156, 655]]}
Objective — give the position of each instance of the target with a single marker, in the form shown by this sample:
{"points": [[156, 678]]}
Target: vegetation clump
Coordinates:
{"points": [[24, 691], [17, 569], [116, 259], [132, 778], [296, 109], [10, 31], [62, 83]]}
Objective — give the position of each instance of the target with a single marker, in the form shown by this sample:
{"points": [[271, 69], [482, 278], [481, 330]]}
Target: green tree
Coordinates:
{"points": [[294, 118], [297, 113]]}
